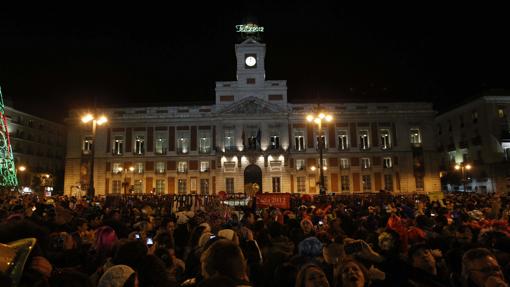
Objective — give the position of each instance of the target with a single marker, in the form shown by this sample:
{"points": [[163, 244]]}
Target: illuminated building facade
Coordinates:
{"points": [[39, 148], [253, 139], [476, 133]]}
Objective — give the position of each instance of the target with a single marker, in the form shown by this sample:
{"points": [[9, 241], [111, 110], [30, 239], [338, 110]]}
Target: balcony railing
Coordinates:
{"points": [[160, 152]]}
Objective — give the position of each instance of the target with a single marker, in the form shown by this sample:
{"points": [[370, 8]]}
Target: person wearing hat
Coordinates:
{"points": [[424, 271], [119, 276]]}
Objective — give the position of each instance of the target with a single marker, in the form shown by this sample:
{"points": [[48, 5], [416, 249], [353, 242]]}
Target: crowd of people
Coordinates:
{"points": [[378, 240]]}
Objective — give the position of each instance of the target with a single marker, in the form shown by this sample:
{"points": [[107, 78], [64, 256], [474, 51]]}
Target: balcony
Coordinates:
{"points": [[117, 153], [204, 150], [160, 152]]}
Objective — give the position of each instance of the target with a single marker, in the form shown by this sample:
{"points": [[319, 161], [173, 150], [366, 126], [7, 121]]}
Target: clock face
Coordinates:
{"points": [[250, 61]]}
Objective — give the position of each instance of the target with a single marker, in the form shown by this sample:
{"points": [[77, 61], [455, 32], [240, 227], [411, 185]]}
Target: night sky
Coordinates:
{"points": [[63, 58]]}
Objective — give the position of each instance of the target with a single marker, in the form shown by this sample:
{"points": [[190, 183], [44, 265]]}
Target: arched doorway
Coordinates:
{"points": [[252, 174]]}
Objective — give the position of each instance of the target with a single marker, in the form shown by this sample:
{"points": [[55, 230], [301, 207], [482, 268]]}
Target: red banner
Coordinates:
{"points": [[280, 200]]}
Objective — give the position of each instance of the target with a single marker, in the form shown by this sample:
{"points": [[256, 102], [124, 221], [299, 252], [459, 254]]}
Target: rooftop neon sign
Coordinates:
{"points": [[249, 28]]}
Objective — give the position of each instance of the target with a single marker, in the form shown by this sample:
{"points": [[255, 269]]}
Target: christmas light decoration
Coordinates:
{"points": [[7, 168]]}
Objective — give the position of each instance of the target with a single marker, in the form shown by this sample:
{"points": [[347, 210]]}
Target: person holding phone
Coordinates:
{"points": [[362, 249]]}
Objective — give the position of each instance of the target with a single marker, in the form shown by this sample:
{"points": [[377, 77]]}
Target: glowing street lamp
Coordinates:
{"points": [[125, 182], [95, 122], [463, 167], [319, 119]]}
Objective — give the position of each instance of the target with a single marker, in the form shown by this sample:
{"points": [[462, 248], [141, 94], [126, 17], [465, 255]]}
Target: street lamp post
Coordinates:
{"points": [[318, 119], [95, 122], [125, 183], [463, 167], [22, 175]]}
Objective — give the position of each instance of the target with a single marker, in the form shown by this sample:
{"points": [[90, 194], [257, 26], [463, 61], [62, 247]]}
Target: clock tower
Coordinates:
{"points": [[250, 56], [250, 79]]}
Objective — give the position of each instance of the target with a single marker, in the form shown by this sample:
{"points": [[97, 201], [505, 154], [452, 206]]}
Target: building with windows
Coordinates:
{"points": [[253, 139], [476, 134], [39, 147]]}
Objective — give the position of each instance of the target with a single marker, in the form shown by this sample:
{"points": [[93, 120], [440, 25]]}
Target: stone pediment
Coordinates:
{"points": [[252, 105]]}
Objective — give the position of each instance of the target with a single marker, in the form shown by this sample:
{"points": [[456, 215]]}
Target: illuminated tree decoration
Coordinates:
{"points": [[7, 168]]}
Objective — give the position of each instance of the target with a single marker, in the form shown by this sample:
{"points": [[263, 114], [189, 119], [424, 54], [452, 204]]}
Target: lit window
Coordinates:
{"points": [[204, 166], [300, 164], [87, 145], [321, 140], [117, 167], [252, 141], [385, 139], [139, 145], [343, 142], [160, 147], [205, 142], [118, 145], [365, 163], [182, 166], [387, 162], [274, 142], [160, 167], [344, 163], [160, 186], [363, 139], [139, 167], [299, 140], [501, 112], [228, 140], [182, 142], [415, 136]]}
